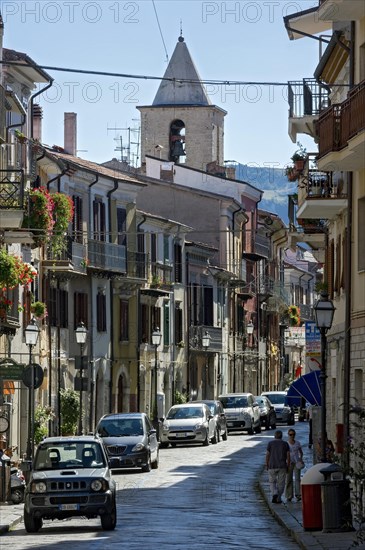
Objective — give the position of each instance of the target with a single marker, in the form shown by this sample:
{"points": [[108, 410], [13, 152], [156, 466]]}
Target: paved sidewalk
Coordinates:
{"points": [[289, 515], [10, 515]]}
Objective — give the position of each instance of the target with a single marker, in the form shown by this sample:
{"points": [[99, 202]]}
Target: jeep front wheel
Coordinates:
{"points": [[32, 524]]}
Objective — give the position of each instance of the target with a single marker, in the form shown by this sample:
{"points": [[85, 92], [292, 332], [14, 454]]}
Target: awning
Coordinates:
{"points": [[307, 387]]}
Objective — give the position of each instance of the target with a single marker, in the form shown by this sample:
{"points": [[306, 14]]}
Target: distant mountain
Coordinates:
{"points": [[273, 182]]}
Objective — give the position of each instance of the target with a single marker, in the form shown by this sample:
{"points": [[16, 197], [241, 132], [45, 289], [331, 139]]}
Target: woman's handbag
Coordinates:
{"points": [[299, 465]]}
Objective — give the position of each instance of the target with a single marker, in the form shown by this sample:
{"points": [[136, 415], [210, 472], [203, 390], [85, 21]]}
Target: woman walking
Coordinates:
{"points": [[296, 461]]}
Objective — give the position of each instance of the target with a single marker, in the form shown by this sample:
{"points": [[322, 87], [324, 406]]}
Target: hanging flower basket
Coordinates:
{"points": [[39, 310]]}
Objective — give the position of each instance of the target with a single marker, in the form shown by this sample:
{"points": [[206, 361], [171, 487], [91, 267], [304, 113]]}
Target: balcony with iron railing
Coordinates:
{"points": [[73, 258], [341, 133], [137, 265], [161, 275], [307, 98], [106, 256], [9, 311], [196, 333], [11, 199], [321, 195], [257, 247]]}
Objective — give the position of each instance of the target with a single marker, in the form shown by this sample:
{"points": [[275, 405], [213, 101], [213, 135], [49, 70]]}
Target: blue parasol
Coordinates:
{"points": [[306, 387]]}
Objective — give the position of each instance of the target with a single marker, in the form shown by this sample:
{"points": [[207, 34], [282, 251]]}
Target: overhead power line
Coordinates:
{"points": [[170, 79]]}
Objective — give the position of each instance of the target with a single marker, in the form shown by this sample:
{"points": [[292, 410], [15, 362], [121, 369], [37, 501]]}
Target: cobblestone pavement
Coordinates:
{"points": [[198, 498]]}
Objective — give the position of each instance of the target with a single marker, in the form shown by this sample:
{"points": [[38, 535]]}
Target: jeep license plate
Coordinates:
{"points": [[68, 507]]}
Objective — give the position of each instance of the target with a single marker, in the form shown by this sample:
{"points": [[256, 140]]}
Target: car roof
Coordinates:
{"points": [[74, 438], [116, 416], [190, 404], [206, 401], [234, 395]]}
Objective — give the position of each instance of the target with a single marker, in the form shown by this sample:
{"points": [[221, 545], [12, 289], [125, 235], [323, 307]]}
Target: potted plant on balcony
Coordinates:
{"points": [[299, 157], [22, 138], [291, 173], [63, 211], [294, 316], [13, 271]]}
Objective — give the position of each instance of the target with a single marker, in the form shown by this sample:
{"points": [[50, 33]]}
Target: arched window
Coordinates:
{"points": [[177, 141]]}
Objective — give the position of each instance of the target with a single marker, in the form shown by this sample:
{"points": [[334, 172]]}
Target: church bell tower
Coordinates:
{"points": [[182, 125]]}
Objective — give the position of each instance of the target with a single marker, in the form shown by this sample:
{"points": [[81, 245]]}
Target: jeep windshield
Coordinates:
{"points": [[233, 402], [68, 454]]}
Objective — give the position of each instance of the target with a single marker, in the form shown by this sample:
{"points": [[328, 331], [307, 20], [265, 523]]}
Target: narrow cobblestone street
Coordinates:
{"points": [[199, 497]]}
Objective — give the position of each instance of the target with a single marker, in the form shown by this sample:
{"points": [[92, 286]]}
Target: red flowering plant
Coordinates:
{"points": [[13, 271], [48, 217], [63, 212], [40, 215]]}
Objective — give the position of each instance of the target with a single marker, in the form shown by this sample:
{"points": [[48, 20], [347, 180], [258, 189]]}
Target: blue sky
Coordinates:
{"points": [[243, 41]]}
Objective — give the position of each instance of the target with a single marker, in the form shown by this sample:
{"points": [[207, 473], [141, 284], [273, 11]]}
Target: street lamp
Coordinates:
{"points": [[156, 341], [31, 337], [249, 332], [206, 344], [324, 311], [81, 335]]}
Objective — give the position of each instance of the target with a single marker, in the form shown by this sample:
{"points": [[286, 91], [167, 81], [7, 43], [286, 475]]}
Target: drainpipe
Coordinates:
{"points": [[111, 363], [32, 98], [348, 306], [240, 209], [139, 333]]}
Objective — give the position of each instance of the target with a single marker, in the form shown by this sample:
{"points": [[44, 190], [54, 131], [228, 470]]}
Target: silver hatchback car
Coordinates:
{"points": [[187, 423]]}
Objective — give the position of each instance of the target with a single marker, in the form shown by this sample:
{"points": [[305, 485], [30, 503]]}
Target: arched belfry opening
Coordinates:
{"points": [[177, 142]]}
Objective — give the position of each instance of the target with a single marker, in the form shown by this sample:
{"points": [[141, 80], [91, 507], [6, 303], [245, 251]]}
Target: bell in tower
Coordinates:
{"points": [[177, 140]]}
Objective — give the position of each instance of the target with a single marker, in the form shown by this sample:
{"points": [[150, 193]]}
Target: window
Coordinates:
{"points": [[150, 319], [123, 331], [201, 305], [77, 219], [58, 308], [99, 219], [166, 252], [80, 308], [178, 325], [122, 226], [101, 311]]}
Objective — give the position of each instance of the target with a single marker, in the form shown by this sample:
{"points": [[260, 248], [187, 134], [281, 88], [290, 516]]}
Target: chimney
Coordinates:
{"points": [[70, 124], [37, 122]]}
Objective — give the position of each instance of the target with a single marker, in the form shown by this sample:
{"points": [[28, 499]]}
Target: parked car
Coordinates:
{"points": [[284, 413], [267, 412], [219, 419], [130, 439], [70, 476], [242, 412], [188, 423]]}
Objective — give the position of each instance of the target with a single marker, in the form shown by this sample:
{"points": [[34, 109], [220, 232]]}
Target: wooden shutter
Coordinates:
{"points": [[330, 267], [177, 263], [343, 283]]}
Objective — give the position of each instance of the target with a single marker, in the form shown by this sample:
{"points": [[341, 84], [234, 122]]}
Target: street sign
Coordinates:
{"points": [[81, 362], [84, 384], [38, 375], [10, 369]]}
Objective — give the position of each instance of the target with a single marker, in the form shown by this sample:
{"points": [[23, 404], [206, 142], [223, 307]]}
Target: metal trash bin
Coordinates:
{"points": [[336, 503], [311, 498]]}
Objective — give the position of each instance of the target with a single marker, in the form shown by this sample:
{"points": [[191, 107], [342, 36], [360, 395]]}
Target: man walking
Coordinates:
{"points": [[277, 464]]}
